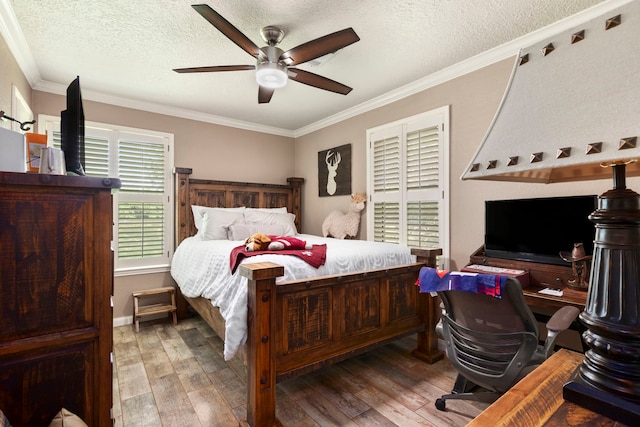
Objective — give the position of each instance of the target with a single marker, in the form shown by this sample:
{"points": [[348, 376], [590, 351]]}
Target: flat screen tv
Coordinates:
{"points": [[538, 229], [72, 130]]}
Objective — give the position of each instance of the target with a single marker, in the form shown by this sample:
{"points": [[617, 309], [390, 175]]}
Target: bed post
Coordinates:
{"points": [[183, 215], [296, 204], [260, 348], [182, 203], [427, 348]]}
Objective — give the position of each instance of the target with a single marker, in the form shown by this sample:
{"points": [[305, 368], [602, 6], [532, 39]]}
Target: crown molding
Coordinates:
{"points": [[13, 36], [151, 107], [434, 79], [12, 33], [491, 56]]}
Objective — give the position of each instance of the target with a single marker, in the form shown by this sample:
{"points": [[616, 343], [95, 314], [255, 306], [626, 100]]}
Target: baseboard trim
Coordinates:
{"points": [[122, 321]]}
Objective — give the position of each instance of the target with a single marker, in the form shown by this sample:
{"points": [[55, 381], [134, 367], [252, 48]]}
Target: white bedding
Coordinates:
{"points": [[201, 269]]}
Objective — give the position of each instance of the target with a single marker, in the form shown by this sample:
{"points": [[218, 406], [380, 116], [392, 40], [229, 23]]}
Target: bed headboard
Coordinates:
{"points": [[228, 194]]}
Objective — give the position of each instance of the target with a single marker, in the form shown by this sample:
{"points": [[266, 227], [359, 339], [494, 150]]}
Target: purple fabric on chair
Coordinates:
{"points": [[434, 280]]}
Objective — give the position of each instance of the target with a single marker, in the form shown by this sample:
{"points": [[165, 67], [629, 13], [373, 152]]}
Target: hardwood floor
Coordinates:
{"points": [[173, 376]]}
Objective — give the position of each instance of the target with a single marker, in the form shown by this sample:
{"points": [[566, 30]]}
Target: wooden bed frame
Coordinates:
{"points": [[296, 327]]}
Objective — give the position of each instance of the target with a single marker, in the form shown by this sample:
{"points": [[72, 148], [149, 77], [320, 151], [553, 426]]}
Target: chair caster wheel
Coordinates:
{"points": [[441, 404]]}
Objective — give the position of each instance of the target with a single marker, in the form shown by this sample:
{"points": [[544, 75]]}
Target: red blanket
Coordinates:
{"points": [[316, 256]]}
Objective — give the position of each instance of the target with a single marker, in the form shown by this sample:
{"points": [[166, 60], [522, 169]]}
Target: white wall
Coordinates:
{"points": [[209, 148], [11, 75], [212, 151], [473, 100]]}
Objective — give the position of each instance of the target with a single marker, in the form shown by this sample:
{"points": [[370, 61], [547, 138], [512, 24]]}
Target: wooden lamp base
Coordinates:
{"points": [[580, 392]]}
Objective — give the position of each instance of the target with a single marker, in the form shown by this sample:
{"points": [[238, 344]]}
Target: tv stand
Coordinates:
{"points": [[540, 276]]}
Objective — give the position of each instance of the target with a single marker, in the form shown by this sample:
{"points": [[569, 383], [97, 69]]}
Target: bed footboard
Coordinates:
{"points": [[300, 326], [427, 348], [297, 327], [260, 347]]}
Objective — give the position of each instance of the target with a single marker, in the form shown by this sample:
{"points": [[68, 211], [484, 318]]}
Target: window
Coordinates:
{"points": [[143, 211], [407, 180]]}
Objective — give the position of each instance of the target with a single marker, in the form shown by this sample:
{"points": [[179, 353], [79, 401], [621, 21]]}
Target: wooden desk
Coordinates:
{"points": [[552, 303], [540, 276], [543, 306], [544, 276], [537, 400]]}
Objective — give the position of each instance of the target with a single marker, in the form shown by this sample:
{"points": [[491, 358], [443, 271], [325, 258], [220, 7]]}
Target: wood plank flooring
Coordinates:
{"points": [[168, 375]]}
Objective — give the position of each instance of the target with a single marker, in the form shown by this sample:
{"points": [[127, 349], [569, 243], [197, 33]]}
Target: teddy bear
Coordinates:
{"points": [[262, 242]]}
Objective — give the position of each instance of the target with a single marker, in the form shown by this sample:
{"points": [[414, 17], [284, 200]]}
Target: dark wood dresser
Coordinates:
{"points": [[56, 287]]}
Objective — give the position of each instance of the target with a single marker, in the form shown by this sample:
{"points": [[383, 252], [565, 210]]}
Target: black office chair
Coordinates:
{"points": [[492, 342]]}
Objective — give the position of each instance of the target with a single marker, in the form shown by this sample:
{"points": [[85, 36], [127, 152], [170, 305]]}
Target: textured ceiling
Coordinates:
{"points": [[128, 48]]}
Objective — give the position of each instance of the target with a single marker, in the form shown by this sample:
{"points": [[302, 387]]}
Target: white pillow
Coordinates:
{"points": [[215, 223], [243, 231], [261, 217], [276, 210], [198, 213]]}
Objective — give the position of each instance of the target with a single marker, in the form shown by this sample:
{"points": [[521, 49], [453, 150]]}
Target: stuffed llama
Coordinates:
{"points": [[345, 226]]}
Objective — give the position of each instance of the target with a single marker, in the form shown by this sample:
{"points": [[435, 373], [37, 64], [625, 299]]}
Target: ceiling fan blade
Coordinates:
{"points": [[215, 68], [319, 47], [226, 28], [264, 94], [311, 79]]}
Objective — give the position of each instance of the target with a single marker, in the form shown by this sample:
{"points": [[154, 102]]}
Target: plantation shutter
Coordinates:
{"points": [[422, 159], [141, 220], [407, 181], [386, 164], [423, 184], [96, 149], [386, 195], [387, 222], [143, 214]]}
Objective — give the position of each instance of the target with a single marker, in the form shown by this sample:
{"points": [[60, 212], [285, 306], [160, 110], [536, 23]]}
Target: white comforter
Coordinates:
{"points": [[201, 268]]}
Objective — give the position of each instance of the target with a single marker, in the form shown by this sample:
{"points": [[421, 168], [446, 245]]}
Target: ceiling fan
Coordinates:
{"points": [[274, 66]]}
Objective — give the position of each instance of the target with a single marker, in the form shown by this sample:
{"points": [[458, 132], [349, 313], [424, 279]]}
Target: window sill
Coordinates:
{"points": [[134, 271]]}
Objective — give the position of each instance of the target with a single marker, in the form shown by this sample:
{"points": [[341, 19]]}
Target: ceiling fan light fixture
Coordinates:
{"points": [[272, 65], [271, 75]]}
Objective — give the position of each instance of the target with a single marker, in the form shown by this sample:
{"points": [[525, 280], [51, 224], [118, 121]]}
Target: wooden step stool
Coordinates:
{"points": [[146, 310]]}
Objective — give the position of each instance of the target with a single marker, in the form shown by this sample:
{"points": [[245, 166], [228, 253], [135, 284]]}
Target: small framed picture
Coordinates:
{"points": [[334, 171], [35, 143]]}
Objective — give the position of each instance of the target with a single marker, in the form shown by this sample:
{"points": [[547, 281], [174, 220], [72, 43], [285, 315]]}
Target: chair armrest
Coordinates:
{"points": [[439, 327], [562, 319]]}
